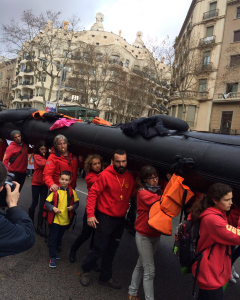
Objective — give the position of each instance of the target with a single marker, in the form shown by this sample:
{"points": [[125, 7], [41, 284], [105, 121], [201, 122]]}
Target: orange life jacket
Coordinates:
{"points": [[161, 212], [100, 121], [40, 114]]}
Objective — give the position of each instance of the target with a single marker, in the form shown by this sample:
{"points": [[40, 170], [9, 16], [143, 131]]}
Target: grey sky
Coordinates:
{"points": [[155, 18]]}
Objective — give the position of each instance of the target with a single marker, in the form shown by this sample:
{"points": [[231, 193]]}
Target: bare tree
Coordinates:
{"points": [[42, 36]]}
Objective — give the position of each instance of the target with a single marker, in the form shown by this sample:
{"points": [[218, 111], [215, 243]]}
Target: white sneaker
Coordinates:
{"points": [[234, 273], [233, 280]]}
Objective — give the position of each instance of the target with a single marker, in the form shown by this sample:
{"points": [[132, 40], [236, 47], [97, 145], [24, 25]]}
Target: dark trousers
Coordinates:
{"points": [[39, 191], [210, 294], [20, 178], [132, 213], [56, 233], [106, 241], [235, 253], [87, 232]]}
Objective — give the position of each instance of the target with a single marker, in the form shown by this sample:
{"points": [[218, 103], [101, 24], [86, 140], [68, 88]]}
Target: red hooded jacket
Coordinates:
{"points": [[57, 163], [21, 162], [107, 191], [215, 271], [90, 178], [3, 147], [145, 199], [39, 164]]}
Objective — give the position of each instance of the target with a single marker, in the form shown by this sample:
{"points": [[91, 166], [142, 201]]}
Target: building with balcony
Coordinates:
{"points": [[128, 75], [198, 49]]}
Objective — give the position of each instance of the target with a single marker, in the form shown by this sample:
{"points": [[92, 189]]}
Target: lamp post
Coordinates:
{"points": [[60, 82]]}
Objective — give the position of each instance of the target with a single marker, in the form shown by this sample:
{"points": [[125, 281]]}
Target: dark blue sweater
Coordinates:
{"points": [[17, 233]]}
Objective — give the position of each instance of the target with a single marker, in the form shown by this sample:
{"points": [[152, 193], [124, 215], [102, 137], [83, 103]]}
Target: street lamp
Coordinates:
{"points": [[60, 82]]}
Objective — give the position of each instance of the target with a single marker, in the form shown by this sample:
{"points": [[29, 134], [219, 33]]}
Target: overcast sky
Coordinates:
{"points": [[155, 18]]}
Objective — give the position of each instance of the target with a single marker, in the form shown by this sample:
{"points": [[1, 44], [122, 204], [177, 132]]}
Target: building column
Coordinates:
{"points": [[196, 114]]}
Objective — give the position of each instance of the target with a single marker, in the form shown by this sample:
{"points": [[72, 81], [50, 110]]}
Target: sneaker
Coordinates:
{"points": [[52, 263], [72, 256], [234, 273], [111, 283], [130, 297], [57, 256], [233, 280], [84, 279]]}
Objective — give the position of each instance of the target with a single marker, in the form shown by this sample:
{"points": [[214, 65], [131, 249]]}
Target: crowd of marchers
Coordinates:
{"points": [[111, 188]]}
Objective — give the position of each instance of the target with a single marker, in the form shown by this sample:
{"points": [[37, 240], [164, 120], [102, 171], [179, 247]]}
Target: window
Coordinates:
{"points": [[206, 57], [108, 117], [191, 115], [209, 31], [238, 12], [236, 36], [58, 80], [43, 64], [86, 57], [75, 98], [46, 50], [66, 54], [213, 6], [1, 75], [136, 68], [22, 67], [202, 85], [99, 57], [180, 111], [109, 101], [42, 78], [233, 89], [174, 111], [39, 92], [226, 122], [127, 63], [68, 68], [235, 61]]}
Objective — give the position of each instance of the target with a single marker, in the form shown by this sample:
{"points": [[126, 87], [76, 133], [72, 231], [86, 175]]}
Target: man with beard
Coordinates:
{"points": [[110, 196]]}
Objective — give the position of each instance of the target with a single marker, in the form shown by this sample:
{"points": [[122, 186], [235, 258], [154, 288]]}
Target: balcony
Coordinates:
{"points": [[28, 70], [29, 57], [14, 85], [226, 131], [206, 67], [17, 73], [231, 95], [116, 62], [25, 97], [192, 95], [207, 41], [27, 83], [210, 14]]}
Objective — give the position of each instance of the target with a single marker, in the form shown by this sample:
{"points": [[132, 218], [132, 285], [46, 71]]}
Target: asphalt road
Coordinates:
{"points": [[28, 276]]}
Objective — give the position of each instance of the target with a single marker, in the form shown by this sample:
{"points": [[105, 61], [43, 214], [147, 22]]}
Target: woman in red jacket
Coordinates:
{"points": [[147, 238], [93, 167], [39, 189], [216, 236]]}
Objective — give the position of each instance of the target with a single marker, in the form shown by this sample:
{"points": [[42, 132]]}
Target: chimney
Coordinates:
{"points": [[66, 23], [120, 32]]}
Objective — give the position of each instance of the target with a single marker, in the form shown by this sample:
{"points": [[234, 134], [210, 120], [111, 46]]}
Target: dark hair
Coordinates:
{"points": [[119, 152], [3, 174], [145, 172], [88, 162], [67, 173], [216, 192], [39, 145]]}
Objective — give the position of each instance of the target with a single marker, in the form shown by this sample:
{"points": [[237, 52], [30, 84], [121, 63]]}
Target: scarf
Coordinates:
{"points": [[153, 189]]}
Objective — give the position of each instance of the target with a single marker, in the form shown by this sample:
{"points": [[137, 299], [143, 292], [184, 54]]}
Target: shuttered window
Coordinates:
{"points": [[213, 6], [209, 31], [174, 111], [235, 61], [191, 115], [180, 111], [202, 85], [236, 36], [238, 12]]}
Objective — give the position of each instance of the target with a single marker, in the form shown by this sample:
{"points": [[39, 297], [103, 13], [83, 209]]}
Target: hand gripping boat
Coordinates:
{"points": [[200, 158]]}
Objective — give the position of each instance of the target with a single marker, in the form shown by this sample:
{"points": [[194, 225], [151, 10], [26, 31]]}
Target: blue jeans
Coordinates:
{"points": [[145, 268], [56, 233]]}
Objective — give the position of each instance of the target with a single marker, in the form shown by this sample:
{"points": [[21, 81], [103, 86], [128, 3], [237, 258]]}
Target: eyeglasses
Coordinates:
{"points": [[152, 178]]}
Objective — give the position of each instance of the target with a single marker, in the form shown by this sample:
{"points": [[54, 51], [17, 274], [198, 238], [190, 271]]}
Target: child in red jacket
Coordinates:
{"points": [[39, 189], [216, 236], [147, 238], [93, 167]]}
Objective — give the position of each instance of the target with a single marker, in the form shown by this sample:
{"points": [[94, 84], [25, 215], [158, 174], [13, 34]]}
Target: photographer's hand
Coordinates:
{"points": [[12, 197]]}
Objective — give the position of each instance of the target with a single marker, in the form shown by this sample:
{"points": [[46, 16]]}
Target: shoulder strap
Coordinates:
{"points": [[183, 204], [13, 158]]}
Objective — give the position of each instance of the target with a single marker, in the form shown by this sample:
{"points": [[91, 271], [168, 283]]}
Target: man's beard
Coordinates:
{"points": [[120, 170]]}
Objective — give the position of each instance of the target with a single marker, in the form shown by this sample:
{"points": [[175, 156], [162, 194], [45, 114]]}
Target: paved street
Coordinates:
{"points": [[28, 276]]}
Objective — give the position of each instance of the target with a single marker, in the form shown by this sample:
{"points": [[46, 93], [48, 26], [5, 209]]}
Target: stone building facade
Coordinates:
{"points": [[7, 76], [214, 28], [33, 85]]}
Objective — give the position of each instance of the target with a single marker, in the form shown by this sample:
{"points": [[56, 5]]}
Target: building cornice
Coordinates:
{"points": [[231, 2]]}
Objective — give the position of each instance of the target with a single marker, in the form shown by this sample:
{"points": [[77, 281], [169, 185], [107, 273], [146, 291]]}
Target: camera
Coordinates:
{"points": [[3, 194]]}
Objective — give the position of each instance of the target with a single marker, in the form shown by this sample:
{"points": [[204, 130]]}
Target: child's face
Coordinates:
{"points": [[96, 165], [43, 150], [64, 181]]}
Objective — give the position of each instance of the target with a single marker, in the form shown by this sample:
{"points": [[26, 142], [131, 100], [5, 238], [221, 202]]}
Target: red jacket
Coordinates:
{"points": [[90, 179], [215, 271], [39, 164], [21, 162], [3, 148], [107, 191], [234, 217], [57, 163], [145, 199]]}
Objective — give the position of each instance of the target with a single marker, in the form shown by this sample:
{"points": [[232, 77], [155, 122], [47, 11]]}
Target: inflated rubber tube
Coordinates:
{"points": [[172, 123], [214, 162], [12, 115]]}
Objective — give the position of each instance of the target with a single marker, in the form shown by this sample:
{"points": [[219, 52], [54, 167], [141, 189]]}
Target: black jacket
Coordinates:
{"points": [[17, 233]]}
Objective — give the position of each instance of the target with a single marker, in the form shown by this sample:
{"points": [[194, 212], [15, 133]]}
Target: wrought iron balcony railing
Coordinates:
{"points": [[210, 14], [207, 41], [14, 85]]}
